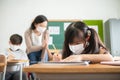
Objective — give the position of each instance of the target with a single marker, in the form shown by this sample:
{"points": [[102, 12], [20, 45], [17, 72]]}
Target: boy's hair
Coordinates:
{"points": [[16, 39]]}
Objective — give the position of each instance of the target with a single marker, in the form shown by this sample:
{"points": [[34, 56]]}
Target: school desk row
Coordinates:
{"points": [[3, 67], [74, 72], [70, 72]]}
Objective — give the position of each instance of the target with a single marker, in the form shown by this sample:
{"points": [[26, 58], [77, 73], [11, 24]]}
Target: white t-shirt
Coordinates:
{"points": [[36, 40], [19, 54]]}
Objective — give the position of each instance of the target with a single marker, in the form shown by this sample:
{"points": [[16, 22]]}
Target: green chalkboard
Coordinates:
{"points": [[58, 39]]}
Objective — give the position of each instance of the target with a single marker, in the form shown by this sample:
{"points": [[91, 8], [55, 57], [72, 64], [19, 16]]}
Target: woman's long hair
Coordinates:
{"points": [[38, 19]]}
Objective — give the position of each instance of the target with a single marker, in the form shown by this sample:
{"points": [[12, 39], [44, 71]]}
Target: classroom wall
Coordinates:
{"points": [[119, 10], [17, 15]]}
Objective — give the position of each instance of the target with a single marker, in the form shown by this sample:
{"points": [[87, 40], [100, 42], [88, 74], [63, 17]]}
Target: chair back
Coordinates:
{"points": [[3, 63]]}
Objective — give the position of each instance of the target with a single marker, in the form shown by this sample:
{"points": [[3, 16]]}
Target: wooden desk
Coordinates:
{"points": [[17, 62], [75, 72]]}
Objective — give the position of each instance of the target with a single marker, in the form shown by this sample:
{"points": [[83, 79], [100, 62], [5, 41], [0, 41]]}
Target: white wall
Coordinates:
{"points": [[16, 15], [119, 9]]}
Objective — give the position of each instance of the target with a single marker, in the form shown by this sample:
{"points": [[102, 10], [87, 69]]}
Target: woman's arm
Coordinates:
{"points": [[46, 49], [48, 52], [28, 41]]}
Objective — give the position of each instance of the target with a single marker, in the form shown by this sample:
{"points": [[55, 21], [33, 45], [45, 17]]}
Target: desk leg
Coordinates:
{"points": [[3, 77], [20, 71], [37, 77]]}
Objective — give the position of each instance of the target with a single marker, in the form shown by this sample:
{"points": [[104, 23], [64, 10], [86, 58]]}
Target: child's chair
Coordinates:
{"points": [[3, 63]]}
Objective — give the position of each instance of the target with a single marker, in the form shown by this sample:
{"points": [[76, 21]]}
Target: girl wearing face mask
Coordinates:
{"points": [[36, 38], [84, 43]]}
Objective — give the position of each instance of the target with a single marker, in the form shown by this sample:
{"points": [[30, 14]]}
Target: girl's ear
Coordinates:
{"points": [[88, 35]]}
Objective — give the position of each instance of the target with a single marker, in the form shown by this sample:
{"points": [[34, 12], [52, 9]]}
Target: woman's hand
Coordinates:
{"points": [[44, 44], [45, 40], [46, 37]]}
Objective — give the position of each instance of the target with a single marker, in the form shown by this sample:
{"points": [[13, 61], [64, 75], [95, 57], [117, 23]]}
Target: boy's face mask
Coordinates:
{"points": [[77, 49], [14, 47]]}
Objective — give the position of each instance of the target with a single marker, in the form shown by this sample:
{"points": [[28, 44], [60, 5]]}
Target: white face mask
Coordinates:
{"points": [[41, 29], [77, 49], [14, 47]]}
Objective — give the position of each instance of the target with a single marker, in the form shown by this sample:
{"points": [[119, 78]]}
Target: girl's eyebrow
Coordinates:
{"points": [[78, 42]]}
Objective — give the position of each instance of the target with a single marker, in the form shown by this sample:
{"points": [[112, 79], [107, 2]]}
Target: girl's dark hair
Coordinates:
{"points": [[16, 39], [38, 19], [73, 30]]}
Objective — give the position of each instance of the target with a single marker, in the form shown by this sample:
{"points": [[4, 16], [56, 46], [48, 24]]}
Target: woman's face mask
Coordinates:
{"points": [[41, 29], [14, 47], [77, 49]]}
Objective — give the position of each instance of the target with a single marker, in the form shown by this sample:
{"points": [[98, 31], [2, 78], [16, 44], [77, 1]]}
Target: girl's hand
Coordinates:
{"points": [[57, 57], [72, 58]]}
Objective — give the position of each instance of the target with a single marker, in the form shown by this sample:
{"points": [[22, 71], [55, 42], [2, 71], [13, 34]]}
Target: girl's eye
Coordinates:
{"points": [[78, 43]]}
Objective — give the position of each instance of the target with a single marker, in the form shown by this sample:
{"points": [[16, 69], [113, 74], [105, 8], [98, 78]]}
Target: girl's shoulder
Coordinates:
{"points": [[103, 51]]}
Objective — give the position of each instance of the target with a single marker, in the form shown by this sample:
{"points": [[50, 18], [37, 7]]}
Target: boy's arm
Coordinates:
{"points": [[8, 54], [25, 57]]}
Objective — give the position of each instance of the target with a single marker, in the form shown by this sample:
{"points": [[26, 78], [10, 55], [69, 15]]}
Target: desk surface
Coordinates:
{"points": [[92, 68], [16, 61]]}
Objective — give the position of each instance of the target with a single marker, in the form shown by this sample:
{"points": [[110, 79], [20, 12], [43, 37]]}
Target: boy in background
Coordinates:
{"points": [[14, 52]]}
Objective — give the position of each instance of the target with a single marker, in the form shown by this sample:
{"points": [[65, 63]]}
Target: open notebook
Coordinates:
{"points": [[66, 63], [116, 61]]}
